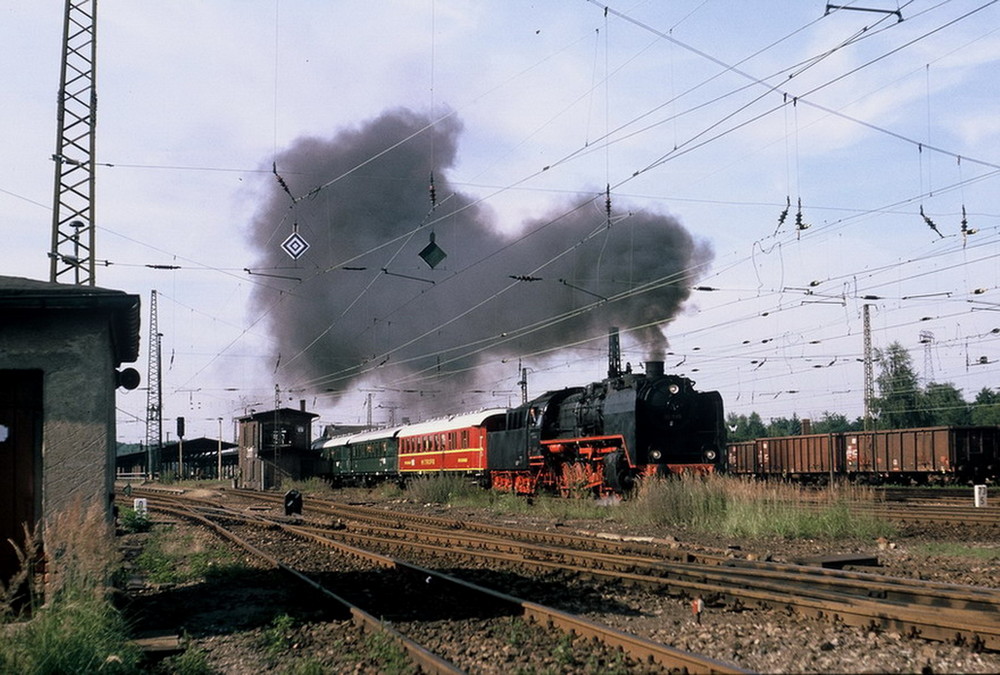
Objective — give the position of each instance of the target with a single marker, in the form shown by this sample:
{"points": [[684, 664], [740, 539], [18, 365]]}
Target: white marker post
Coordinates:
{"points": [[979, 495]]}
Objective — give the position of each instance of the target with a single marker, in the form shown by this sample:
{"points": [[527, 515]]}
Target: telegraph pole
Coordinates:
{"points": [[71, 258]]}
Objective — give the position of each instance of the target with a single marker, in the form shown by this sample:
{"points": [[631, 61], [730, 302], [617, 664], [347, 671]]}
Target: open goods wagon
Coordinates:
{"points": [[932, 454]]}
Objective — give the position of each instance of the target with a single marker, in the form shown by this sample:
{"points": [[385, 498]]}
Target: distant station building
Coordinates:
{"points": [[61, 349], [275, 446], [200, 458]]}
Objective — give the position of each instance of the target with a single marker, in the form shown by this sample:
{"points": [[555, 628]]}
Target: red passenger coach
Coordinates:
{"points": [[456, 443]]}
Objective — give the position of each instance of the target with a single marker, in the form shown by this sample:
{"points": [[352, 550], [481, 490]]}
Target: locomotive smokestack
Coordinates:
{"points": [[654, 368], [614, 353]]}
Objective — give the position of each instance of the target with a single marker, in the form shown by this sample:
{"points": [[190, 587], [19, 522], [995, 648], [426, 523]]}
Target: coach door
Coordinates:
{"points": [[20, 460]]}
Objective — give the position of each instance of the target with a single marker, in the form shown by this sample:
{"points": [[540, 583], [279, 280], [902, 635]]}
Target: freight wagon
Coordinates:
{"points": [[932, 454]]}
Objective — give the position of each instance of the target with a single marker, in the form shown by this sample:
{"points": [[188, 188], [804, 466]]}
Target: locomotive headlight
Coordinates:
{"points": [[674, 389], [655, 455], [710, 455]]}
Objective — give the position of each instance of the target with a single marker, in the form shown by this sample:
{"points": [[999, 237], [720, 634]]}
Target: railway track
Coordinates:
{"points": [[936, 512], [956, 495], [944, 612], [962, 614], [919, 505], [409, 584]]}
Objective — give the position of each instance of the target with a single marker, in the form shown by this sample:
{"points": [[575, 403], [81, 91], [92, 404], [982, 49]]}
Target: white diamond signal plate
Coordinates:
{"points": [[295, 245]]}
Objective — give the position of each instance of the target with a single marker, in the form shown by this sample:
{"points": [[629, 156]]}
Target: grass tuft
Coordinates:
{"points": [[76, 630], [740, 507], [192, 661], [277, 637], [986, 553], [133, 521], [170, 557], [313, 486], [384, 652], [443, 489], [719, 504]]}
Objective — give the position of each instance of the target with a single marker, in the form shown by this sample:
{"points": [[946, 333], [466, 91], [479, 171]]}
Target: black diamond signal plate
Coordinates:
{"points": [[295, 246]]}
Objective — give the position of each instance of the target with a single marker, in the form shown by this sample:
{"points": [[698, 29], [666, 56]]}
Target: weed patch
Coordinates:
{"points": [[955, 550], [133, 521], [278, 636], [753, 509], [172, 558], [76, 630], [314, 486], [192, 661], [443, 489], [382, 650]]}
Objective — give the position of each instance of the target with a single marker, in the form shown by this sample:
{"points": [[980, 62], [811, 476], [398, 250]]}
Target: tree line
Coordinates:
{"points": [[901, 403]]}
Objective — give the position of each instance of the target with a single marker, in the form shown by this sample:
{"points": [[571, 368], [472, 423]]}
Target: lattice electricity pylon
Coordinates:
{"points": [[72, 254], [154, 398], [869, 422], [927, 340]]}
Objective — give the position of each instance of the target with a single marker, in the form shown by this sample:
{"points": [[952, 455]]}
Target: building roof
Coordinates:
{"points": [[283, 413], [195, 445], [17, 293]]}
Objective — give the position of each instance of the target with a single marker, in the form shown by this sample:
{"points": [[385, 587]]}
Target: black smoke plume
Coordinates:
{"points": [[361, 309]]}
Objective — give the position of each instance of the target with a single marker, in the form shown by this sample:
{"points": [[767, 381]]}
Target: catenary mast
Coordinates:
{"points": [[71, 258], [154, 398]]}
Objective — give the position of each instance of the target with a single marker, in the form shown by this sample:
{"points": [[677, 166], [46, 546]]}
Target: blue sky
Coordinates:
{"points": [[715, 114]]}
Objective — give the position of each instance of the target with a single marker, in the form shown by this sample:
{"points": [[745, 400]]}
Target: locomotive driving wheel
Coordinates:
{"points": [[618, 475]]}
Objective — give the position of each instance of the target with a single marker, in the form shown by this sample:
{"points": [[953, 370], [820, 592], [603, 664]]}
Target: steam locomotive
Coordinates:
{"points": [[593, 439], [602, 436]]}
